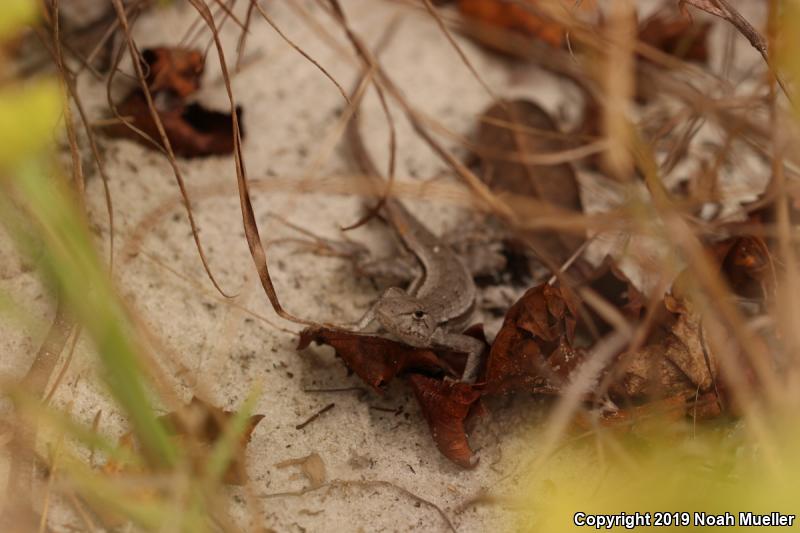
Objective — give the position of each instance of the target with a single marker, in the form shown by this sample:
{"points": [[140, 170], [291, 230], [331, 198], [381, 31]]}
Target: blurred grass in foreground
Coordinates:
{"points": [[664, 466], [40, 211], [667, 470]]}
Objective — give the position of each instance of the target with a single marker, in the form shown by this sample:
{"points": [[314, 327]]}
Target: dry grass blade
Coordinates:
{"points": [[371, 62], [68, 81], [248, 216], [35, 382], [228, 9], [723, 9], [778, 186], [123, 18], [464, 59], [254, 3], [65, 366], [618, 81], [581, 383], [243, 36]]}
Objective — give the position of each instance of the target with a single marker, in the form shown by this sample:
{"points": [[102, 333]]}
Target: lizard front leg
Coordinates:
{"points": [[464, 344]]}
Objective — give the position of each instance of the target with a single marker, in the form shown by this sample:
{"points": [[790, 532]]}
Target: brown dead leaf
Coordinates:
{"points": [[192, 130], [746, 263], [610, 282], [376, 360], [747, 266], [312, 467], [446, 404], [174, 74], [533, 350], [177, 71], [677, 35], [507, 133], [518, 17], [197, 426], [674, 362], [658, 411]]}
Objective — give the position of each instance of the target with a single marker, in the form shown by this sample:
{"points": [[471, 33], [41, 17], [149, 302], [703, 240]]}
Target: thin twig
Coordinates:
{"points": [[315, 416]]}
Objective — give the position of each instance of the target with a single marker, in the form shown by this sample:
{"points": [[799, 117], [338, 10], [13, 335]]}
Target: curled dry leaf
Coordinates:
{"points": [[177, 71], [746, 264], [197, 427], [533, 350], [676, 34], [519, 17], [445, 405], [174, 74], [672, 363], [376, 360], [192, 130], [510, 131], [676, 360]]}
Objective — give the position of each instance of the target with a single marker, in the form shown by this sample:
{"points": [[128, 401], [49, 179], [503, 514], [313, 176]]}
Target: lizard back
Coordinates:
{"points": [[447, 290]]}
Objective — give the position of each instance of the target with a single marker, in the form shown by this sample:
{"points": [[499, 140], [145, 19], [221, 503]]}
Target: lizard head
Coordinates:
{"points": [[403, 316]]}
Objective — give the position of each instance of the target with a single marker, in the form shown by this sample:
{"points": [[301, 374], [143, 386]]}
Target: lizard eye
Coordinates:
{"points": [[419, 315]]}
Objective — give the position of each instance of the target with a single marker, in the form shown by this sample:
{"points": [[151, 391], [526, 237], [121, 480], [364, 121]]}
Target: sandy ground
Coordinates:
{"points": [[222, 349]]}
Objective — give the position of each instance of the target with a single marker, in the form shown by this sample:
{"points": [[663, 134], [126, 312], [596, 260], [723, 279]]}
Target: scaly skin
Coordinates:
{"points": [[438, 304]]}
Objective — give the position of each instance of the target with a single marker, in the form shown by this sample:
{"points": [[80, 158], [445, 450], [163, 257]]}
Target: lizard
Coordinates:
{"points": [[438, 304]]}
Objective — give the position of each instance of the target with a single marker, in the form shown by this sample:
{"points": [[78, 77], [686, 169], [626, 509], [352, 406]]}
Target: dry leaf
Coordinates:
{"points": [[446, 404], [192, 130], [178, 71], [610, 282], [173, 74], [747, 265], [513, 130], [311, 466], [533, 350], [672, 363], [376, 360], [514, 17], [744, 261], [677, 35], [197, 427]]}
